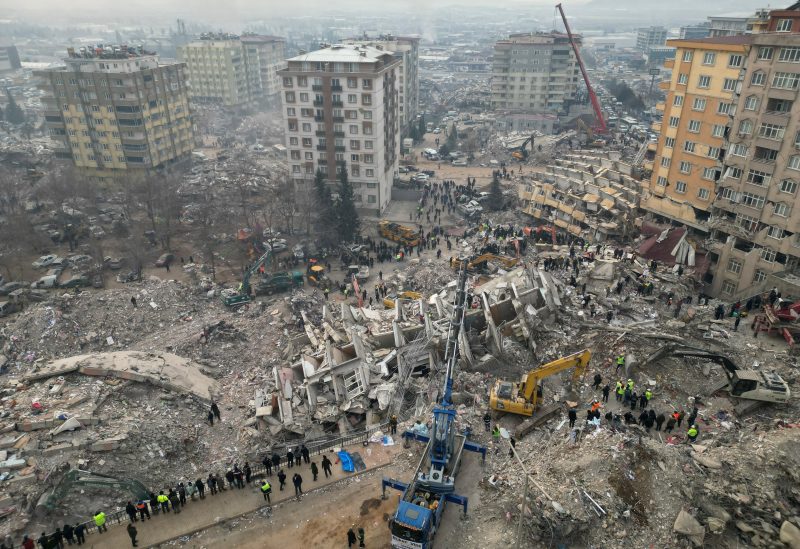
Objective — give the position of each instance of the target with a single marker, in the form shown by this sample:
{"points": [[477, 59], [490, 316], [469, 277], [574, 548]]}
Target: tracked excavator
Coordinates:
{"points": [[752, 388]]}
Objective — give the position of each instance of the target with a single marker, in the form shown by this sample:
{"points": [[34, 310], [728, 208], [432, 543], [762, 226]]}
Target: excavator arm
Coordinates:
{"points": [[578, 360]]}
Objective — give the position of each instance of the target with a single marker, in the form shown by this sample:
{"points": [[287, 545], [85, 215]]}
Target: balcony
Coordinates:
{"points": [[338, 134], [318, 118], [337, 104], [322, 147], [338, 119], [339, 148], [316, 87], [318, 102], [336, 87], [320, 133], [322, 161]]}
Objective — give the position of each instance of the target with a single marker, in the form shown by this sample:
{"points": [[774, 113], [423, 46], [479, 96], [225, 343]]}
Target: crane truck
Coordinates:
{"points": [[421, 508], [242, 295]]}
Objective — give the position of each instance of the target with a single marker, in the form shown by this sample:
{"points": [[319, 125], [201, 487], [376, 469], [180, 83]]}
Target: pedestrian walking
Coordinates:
{"points": [[248, 473], [210, 418], [201, 488], [606, 392], [598, 379], [68, 533], [660, 419], [215, 410], [642, 401], [326, 466], [351, 538], [282, 479], [131, 511], [573, 416], [298, 458], [276, 460], [133, 301], [297, 480], [80, 531], [670, 425], [266, 490], [314, 470], [132, 533], [212, 484], [393, 425], [738, 320], [267, 463], [361, 537], [290, 459], [175, 501]]}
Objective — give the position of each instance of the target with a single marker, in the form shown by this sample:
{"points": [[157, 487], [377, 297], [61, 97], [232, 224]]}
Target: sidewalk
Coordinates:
{"points": [[200, 514]]}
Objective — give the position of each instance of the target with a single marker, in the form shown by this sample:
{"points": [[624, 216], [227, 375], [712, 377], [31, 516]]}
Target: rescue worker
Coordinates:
{"points": [[573, 416], [670, 424], [487, 421], [692, 433], [141, 506], [648, 394], [620, 390], [598, 379], [606, 391], [163, 501], [100, 521], [266, 489], [660, 418], [393, 425], [620, 364], [630, 384]]}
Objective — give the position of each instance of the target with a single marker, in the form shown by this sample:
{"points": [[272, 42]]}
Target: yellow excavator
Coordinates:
{"points": [[524, 398], [389, 300]]}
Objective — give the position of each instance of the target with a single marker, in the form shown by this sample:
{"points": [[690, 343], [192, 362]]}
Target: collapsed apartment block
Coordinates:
{"points": [[370, 363], [590, 196]]}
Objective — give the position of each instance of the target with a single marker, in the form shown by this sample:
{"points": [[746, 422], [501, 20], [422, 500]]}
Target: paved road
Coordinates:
{"points": [[198, 515]]}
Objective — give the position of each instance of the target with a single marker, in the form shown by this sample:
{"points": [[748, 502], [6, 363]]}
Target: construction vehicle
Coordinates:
{"points": [[421, 508], [479, 262], [407, 236], [242, 294], [753, 388], [591, 142], [389, 300], [279, 282], [521, 153], [600, 127], [524, 398], [79, 478]]}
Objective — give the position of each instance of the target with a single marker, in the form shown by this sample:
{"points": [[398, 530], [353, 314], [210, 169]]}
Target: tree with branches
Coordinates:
{"points": [[348, 224]]}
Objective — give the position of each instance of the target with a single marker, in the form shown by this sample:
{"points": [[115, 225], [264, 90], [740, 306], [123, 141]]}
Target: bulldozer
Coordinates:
{"points": [[752, 388]]}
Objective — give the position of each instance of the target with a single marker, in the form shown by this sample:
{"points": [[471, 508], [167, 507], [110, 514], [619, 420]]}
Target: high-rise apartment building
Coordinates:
{"points": [[724, 25], [693, 32], [650, 37], [9, 58], [407, 49], [341, 110], [756, 216], [113, 110], [699, 101], [534, 73], [233, 71]]}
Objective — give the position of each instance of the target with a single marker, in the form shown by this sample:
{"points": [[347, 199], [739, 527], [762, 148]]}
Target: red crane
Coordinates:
{"points": [[598, 112]]}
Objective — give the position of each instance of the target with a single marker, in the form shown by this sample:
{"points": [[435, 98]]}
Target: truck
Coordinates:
{"points": [[421, 508], [279, 282], [402, 234]]}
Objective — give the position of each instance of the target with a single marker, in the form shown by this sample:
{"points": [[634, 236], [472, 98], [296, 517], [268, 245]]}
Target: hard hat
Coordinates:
{"points": [[694, 426], [630, 380]]}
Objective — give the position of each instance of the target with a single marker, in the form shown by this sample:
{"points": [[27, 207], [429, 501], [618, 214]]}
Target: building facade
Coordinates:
{"points": [[650, 37], [115, 110], [534, 73], [756, 218], [407, 49], [700, 97], [233, 71], [9, 58], [341, 110], [693, 32]]}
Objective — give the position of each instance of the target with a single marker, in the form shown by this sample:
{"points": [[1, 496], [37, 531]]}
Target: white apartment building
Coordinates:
{"points": [[648, 38], [341, 111], [407, 49]]}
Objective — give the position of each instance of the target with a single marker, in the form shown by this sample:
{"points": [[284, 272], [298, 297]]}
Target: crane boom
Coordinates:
{"points": [[598, 112], [578, 360]]}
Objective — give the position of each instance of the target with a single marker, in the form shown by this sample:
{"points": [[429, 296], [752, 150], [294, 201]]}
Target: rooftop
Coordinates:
{"points": [[340, 53], [108, 51], [735, 40]]}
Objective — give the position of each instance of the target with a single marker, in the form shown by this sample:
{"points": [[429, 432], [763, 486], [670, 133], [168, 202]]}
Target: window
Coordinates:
{"points": [[733, 173], [368, 145], [753, 200], [728, 287], [352, 98], [366, 99], [709, 58], [781, 209], [745, 127], [764, 53], [709, 173], [739, 149], [768, 255], [797, 140], [292, 125], [669, 142], [306, 127], [704, 81], [713, 152], [734, 266], [784, 25], [685, 167], [758, 78], [729, 84], [759, 276], [353, 129], [293, 141], [680, 187], [290, 111], [703, 194], [352, 82], [677, 100], [735, 60], [751, 103], [354, 158], [366, 84], [665, 161], [718, 130], [355, 144], [724, 108], [746, 222], [699, 104], [683, 79], [689, 146], [788, 186], [794, 162], [370, 173], [694, 126], [687, 56], [759, 178], [368, 159], [775, 232], [287, 81], [785, 80], [661, 181], [294, 155], [367, 115], [673, 121], [290, 97], [302, 81], [771, 131]]}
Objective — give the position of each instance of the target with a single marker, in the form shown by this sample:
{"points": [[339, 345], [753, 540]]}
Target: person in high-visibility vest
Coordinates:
{"points": [[266, 489], [620, 363], [620, 390], [692, 433], [648, 395], [630, 384], [100, 521], [164, 501]]}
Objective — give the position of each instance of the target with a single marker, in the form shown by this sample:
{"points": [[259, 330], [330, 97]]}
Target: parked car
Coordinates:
{"points": [[130, 276], [298, 252], [9, 287], [460, 163], [75, 282], [429, 173], [113, 263], [412, 168], [7, 307], [44, 261], [164, 260], [277, 244], [47, 281], [437, 130]]}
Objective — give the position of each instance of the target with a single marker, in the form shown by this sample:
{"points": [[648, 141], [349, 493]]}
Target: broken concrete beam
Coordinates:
{"points": [[13, 463], [21, 480], [58, 448], [107, 445], [31, 425], [22, 441]]}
